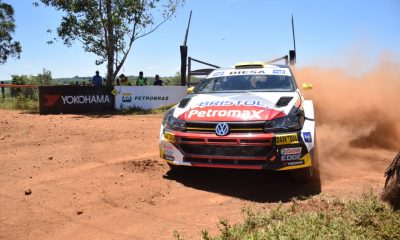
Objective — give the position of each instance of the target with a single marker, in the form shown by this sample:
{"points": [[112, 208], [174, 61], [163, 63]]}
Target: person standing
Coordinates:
{"points": [[97, 80], [122, 80], [158, 81], [141, 81]]}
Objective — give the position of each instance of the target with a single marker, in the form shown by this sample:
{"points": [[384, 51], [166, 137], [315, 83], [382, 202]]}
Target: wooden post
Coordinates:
{"points": [[183, 64], [3, 94]]}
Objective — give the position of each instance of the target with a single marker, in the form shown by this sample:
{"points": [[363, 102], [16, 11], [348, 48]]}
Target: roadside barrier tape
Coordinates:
{"points": [[18, 86]]}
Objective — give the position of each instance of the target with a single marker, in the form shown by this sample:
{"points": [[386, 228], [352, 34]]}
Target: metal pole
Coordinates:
{"points": [[183, 64], [189, 69]]}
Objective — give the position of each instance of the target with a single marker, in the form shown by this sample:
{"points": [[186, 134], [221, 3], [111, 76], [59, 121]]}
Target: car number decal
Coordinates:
{"points": [[287, 139]]}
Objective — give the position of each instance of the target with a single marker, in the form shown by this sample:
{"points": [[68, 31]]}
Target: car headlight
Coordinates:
{"points": [[292, 122], [172, 123]]}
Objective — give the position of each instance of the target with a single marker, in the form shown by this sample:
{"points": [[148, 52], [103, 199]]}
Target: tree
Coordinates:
{"points": [[8, 47], [109, 27]]}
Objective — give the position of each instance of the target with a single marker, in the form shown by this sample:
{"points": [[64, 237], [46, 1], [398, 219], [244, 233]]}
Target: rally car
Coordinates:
{"points": [[251, 116]]}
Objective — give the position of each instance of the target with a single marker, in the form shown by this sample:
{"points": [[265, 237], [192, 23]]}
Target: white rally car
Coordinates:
{"points": [[252, 116]]}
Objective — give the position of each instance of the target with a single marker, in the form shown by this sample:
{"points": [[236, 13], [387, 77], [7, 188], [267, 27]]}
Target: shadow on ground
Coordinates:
{"points": [[257, 186]]}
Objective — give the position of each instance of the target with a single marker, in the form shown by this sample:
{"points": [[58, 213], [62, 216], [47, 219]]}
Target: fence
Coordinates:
{"points": [[13, 90]]}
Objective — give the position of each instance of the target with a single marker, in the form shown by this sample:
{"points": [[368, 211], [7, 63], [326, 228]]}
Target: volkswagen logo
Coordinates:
{"points": [[222, 129]]}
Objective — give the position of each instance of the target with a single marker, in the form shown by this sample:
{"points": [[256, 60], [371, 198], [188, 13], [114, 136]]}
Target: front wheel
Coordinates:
{"points": [[303, 174], [174, 168], [309, 173]]}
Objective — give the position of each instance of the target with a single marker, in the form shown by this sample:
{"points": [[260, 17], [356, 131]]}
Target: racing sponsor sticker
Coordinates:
{"points": [[287, 139], [278, 71], [230, 113], [169, 158], [126, 97], [295, 163], [169, 137], [307, 137], [168, 149], [217, 74], [288, 151], [291, 157], [263, 71]]}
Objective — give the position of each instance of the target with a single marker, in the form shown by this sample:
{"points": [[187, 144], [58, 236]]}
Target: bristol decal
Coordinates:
{"points": [[231, 103], [230, 113], [288, 151], [307, 137]]}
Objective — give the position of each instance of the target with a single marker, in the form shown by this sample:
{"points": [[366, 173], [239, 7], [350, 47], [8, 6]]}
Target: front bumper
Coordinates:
{"points": [[274, 151]]}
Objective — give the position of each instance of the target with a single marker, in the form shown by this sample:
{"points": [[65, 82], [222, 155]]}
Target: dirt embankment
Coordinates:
{"points": [[99, 177]]}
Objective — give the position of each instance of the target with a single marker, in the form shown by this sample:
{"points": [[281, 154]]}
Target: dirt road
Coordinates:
{"points": [[99, 177]]}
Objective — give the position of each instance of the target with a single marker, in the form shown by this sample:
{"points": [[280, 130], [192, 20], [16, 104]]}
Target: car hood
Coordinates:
{"points": [[237, 107]]}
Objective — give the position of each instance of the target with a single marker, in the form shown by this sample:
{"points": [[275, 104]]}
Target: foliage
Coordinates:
{"points": [[8, 47], [364, 218], [108, 28], [26, 98], [174, 81], [43, 79]]}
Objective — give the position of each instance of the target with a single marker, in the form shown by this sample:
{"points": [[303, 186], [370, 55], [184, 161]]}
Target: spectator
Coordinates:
{"points": [[141, 81], [97, 80], [158, 81], [122, 80]]}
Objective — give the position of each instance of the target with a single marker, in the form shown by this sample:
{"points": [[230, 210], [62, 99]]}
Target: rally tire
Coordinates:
{"points": [[303, 174], [309, 173], [174, 168]]}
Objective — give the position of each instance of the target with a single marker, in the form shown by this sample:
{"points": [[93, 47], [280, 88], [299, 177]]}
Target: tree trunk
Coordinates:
{"points": [[111, 43]]}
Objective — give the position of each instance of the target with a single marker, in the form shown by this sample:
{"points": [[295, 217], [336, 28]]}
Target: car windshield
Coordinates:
{"points": [[240, 83]]}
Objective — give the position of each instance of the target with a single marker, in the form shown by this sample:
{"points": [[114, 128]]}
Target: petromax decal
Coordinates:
{"points": [[230, 113]]}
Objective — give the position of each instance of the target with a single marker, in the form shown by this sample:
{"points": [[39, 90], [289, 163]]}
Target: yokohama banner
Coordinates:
{"points": [[75, 99]]}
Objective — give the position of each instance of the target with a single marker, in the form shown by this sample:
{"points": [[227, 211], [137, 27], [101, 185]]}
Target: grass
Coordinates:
{"points": [[19, 103], [363, 218]]}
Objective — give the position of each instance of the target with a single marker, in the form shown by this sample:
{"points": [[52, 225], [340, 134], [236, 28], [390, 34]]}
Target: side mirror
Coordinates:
{"points": [[190, 90], [307, 86]]}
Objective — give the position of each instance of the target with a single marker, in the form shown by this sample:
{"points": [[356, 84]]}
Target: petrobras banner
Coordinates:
{"points": [[75, 99], [147, 97]]}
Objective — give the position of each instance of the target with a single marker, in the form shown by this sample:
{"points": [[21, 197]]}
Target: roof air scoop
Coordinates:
{"points": [[283, 101]]}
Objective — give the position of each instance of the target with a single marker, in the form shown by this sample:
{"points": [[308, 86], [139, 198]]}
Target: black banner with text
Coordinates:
{"points": [[75, 99]]}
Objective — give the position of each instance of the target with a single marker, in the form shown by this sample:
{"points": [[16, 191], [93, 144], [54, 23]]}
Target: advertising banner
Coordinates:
{"points": [[147, 97], [75, 99]]}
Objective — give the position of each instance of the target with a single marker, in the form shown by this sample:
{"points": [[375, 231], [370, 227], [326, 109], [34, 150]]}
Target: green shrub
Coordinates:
{"points": [[364, 218]]}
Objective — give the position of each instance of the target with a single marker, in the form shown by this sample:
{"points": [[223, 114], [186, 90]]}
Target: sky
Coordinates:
{"points": [[223, 32]]}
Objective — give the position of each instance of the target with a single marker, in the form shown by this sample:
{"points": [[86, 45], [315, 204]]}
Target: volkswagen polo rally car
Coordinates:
{"points": [[252, 116]]}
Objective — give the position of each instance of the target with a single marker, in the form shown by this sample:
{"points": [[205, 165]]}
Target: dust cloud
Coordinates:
{"points": [[357, 114]]}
